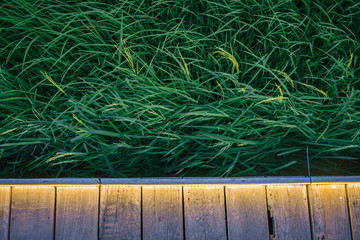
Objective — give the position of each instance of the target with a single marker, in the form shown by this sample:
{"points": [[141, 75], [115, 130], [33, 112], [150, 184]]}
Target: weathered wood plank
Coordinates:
{"points": [[77, 212], [353, 191], [329, 212], [247, 212], [32, 213], [204, 212], [4, 212], [162, 212], [288, 207], [120, 212]]}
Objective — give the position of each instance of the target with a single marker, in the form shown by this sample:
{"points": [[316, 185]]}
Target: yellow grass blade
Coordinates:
{"points": [[52, 81], [281, 93], [185, 65], [8, 131], [280, 98], [77, 119], [127, 55], [59, 156], [314, 88], [222, 90], [56, 156], [219, 84], [152, 112], [285, 76], [268, 100], [271, 99], [351, 58], [228, 56]]}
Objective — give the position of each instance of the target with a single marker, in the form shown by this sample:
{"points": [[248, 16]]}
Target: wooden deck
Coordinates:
{"points": [[198, 208]]}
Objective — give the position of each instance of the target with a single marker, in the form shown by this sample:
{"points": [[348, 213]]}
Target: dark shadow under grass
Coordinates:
{"points": [[179, 88]]}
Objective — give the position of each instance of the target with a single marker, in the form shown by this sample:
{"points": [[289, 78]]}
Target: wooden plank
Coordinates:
{"points": [[77, 212], [120, 212], [32, 213], [329, 212], [4, 212], [204, 212], [162, 212], [288, 209], [353, 191], [247, 212]]}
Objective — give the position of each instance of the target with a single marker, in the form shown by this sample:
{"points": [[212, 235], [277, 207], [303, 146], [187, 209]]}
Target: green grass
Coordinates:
{"points": [[179, 87]]}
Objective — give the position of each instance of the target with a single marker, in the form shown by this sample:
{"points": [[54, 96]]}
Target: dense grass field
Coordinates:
{"points": [[179, 88]]}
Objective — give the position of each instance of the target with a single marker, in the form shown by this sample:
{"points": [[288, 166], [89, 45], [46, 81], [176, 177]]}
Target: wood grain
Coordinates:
{"points": [[204, 212], [77, 212], [32, 212], [120, 212], [329, 212], [288, 207], [4, 212], [162, 212], [247, 212], [353, 191]]}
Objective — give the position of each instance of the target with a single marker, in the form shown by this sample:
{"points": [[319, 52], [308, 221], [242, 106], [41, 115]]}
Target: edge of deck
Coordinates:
{"points": [[182, 181]]}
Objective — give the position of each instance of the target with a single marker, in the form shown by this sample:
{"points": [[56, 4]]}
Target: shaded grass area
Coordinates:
{"points": [[179, 88]]}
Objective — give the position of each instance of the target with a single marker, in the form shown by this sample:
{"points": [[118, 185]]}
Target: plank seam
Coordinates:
{"points": [[271, 229], [9, 220], [349, 211], [98, 225], [226, 214], [55, 203], [183, 211], [310, 212]]}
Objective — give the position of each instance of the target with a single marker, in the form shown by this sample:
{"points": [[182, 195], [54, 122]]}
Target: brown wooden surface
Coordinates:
{"points": [[329, 211], [353, 192], [247, 212], [162, 212], [204, 212], [180, 212], [120, 212], [77, 213], [32, 213], [288, 207], [4, 212]]}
